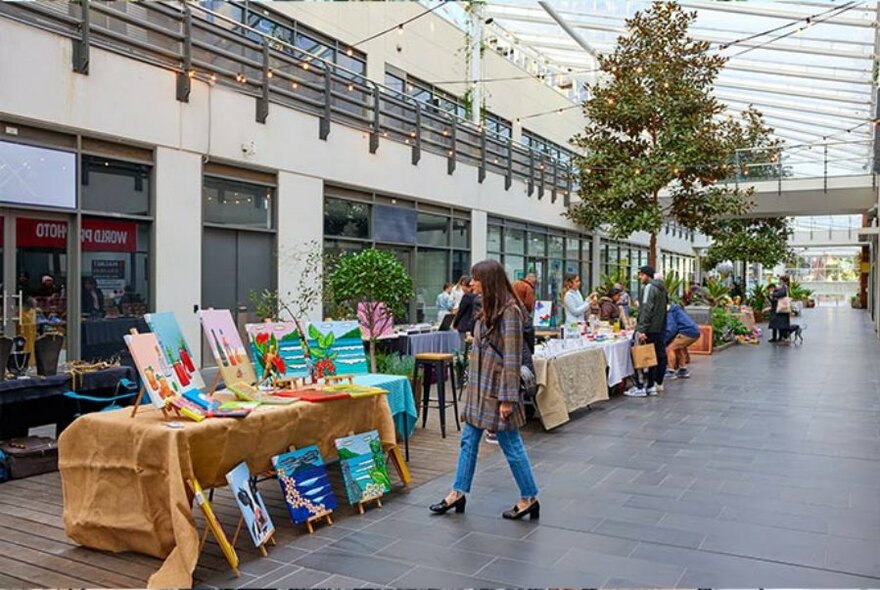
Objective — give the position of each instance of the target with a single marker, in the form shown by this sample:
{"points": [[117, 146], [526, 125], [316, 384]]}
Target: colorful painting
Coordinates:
{"points": [[304, 483], [175, 347], [225, 344], [250, 502], [375, 320], [278, 345], [337, 348], [363, 466], [543, 313], [159, 379]]}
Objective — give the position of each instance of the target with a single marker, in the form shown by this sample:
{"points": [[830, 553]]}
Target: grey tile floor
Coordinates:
{"points": [[762, 470]]}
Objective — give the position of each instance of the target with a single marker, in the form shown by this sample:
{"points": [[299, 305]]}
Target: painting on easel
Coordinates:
{"points": [[278, 343], [337, 348], [225, 344], [304, 484], [250, 502], [159, 379], [177, 351], [363, 467]]}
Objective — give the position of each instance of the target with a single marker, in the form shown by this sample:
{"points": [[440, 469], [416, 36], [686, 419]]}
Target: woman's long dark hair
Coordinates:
{"points": [[497, 290]]}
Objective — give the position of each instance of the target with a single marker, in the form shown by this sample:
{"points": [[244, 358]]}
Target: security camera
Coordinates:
{"points": [[249, 148]]}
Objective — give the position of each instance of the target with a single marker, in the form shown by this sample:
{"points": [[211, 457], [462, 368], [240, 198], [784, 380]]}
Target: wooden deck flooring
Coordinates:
{"points": [[35, 551]]}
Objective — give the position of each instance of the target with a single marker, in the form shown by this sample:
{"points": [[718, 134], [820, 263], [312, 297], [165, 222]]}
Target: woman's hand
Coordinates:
{"points": [[505, 409]]}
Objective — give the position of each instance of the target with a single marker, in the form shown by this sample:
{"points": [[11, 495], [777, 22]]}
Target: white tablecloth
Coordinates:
{"points": [[618, 354]]}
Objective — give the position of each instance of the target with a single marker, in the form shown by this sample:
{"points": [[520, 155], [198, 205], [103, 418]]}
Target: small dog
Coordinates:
{"points": [[796, 334]]}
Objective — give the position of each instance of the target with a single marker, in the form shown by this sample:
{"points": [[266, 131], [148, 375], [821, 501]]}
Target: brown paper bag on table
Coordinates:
{"points": [[644, 356]]}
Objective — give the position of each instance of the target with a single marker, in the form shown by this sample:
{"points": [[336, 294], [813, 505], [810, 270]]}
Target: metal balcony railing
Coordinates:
{"points": [[197, 43]]}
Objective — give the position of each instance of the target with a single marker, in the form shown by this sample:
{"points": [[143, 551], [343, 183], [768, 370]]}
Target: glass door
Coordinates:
{"points": [[36, 276]]}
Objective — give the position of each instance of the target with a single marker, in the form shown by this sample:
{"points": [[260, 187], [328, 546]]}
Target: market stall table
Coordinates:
{"points": [[438, 342], [572, 379], [35, 401], [124, 479]]}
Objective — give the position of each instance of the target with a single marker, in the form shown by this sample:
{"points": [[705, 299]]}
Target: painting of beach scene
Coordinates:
{"points": [[282, 340], [177, 351], [304, 483], [363, 466], [337, 348]]}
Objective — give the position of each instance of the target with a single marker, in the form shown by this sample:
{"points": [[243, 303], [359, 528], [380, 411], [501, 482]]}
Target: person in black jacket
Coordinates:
{"points": [[780, 323], [467, 312]]}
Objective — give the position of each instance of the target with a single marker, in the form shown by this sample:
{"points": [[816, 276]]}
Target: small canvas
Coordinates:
{"points": [[174, 345], [281, 339], [382, 323], [304, 483], [337, 348], [363, 466], [543, 313], [250, 502], [225, 344], [159, 379]]}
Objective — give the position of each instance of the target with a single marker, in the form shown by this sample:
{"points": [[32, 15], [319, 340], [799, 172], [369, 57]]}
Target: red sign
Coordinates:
{"points": [[97, 235]]}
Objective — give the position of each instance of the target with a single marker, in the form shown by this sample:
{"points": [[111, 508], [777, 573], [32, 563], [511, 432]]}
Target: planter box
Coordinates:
{"points": [[724, 346]]}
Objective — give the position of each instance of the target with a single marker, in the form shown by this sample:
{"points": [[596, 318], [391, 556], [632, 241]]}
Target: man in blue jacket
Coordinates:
{"points": [[681, 332]]}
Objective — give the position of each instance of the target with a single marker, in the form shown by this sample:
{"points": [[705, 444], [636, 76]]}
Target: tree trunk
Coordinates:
{"points": [[372, 354], [652, 252]]}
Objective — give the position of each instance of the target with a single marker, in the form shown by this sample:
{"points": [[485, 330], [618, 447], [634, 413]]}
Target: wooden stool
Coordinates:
{"points": [[439, 364]]}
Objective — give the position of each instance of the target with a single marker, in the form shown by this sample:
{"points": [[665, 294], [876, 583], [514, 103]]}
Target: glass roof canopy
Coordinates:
{"points": [[813, 86]]}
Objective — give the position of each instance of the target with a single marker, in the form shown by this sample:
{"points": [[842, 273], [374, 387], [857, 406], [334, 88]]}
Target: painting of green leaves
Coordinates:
{"points": [[277, 348], [363, 466], [337, 348]]}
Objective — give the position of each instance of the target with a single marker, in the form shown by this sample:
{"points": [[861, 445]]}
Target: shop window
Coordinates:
{"points": [[115, 186], [493, 241], [350, 219], [461, 233], [229, 202], [37, 176], [433, 230], [514, 241]]}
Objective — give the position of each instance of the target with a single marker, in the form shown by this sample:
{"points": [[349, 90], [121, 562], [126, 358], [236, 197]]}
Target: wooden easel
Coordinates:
{"points": [[262, 548], [333, 379], [213, 525], [317, 518], [140, 395], [397, 459], [377, 499]]}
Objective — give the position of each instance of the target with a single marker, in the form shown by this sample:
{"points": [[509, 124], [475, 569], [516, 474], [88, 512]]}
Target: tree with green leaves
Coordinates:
{"points": [[755, 240], [658, 143], [371, 284]]}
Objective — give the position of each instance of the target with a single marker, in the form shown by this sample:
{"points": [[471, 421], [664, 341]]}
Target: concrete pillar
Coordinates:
{"points": [[300, 210], [178, 246], [479, 235]]}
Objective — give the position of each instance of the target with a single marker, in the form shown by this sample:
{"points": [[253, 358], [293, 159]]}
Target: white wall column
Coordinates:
{"points": [[178, 243], [479, 235], [300, 210]]}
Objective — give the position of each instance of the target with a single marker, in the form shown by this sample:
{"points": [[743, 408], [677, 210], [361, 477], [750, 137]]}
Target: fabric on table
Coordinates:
{"points": [[619, 357], [441, 342], [569, 382], [400, 399], [124, 479]]}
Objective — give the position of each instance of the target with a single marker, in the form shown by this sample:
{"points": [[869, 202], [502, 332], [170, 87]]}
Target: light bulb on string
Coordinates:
{"points": [[400, 29]]}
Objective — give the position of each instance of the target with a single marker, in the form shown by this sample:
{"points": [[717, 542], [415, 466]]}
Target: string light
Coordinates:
{"points": [[306, 66], [294, 85], [400, 29], [269, 74], [349, 52]]}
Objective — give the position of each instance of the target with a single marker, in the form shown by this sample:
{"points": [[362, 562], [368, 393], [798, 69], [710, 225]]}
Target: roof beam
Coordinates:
{"points": [[794, 107], [765, 11], [792, 92]]}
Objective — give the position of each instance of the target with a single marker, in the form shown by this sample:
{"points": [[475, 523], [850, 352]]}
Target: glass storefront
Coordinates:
{"points": [[432, 242]]}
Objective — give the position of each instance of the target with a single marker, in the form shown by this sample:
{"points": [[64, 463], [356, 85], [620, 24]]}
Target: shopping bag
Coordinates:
{"points": [[784, 305], [644, 356]]}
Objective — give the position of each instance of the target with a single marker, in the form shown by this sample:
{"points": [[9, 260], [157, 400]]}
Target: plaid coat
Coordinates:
{"points": [[494, 373]]}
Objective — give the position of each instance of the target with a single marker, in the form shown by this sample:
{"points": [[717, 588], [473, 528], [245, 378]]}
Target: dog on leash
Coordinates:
{"points": [[796, 334]]}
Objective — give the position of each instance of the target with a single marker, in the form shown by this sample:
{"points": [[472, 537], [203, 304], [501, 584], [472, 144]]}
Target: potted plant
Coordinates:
{"points": [[855, 301], [373, 282], [758, 300]]}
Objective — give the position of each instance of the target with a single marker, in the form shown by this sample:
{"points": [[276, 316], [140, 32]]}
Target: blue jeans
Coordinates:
{"points": [[511, 444]]}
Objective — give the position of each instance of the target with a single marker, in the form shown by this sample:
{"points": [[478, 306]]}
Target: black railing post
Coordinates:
{"points": [[81, 44], [450, 159], [825, 174], [779, 174], [531, 182], [508, 174], [374, 130], [184, 78], [417, 136], [541, 180], [324, 123], [481, 171], [567, 200], [555, 180], [263, 100]]}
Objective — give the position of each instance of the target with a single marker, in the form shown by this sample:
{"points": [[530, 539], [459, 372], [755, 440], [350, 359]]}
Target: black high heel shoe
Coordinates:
{"points": [[443, 507], [533, 510]]}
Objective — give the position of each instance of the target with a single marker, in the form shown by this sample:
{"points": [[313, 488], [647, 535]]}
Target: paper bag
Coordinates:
{"points": [[644, 356]]}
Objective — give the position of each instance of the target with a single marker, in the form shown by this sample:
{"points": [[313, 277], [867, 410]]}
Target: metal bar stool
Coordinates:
{"points": [[440, 365]]}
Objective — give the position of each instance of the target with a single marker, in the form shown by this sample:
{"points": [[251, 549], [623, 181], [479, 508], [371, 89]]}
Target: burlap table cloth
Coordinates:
{"points": [[124, 478], [569, 382]]}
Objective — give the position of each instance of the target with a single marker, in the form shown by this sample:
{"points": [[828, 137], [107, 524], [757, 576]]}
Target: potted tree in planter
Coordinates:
{"points": [[376, 282]]}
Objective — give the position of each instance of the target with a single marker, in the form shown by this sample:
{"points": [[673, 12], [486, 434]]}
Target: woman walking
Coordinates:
{"points": [[780, 322], [494, 400]]}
